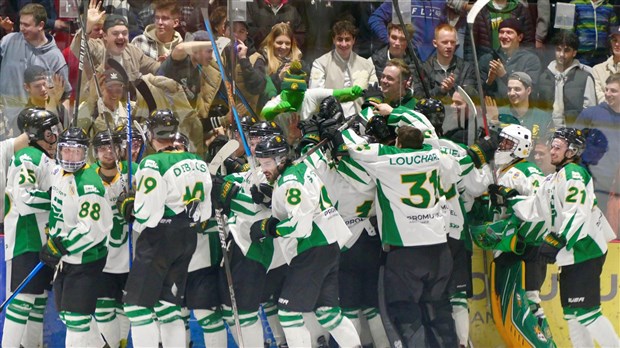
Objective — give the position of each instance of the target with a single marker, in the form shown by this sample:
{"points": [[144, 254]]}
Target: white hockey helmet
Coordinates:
{"points": [[515, 141]]}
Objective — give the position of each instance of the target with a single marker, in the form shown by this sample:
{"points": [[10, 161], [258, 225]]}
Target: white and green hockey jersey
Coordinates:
{"points": [[118, 238], [27, 201], [307, 217], [408, 191], [81, 215], [351, 190], [566, 202], [404, 116], [166, 181], [244, 213], [7, 150], [208, 250], [525, 177]]}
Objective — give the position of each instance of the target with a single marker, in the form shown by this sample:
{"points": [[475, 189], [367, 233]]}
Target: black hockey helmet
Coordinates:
{"points": [[103, 138], [183, 140], [433, 109], [265, 129], [73, 138], [272, 147], [378, 128], [163, 124], [246, 123], [35, 121], [574, 137]]}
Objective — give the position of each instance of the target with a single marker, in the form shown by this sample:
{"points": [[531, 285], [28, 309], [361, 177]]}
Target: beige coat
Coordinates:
{"points": [[601, 72]]}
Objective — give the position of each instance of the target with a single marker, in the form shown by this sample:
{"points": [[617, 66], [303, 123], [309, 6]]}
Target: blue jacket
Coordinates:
{"points": [[425, 16]]}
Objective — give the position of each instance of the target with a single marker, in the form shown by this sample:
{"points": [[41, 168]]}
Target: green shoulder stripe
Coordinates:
{"points": [[88, 181], [293, 173], [28, 154], [576, 172]]}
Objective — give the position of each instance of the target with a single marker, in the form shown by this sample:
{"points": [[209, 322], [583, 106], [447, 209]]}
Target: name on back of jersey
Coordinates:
{"points": [[417, 159], [187, 167]]}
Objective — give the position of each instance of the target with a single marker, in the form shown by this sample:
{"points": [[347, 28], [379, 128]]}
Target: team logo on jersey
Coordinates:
{"points": [[151, 164], [25, 158], [90, 189]]}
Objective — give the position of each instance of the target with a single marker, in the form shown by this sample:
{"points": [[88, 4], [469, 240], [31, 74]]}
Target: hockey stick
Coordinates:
{"points": [[22, 285], [138, 84], [76, 104], [414, 56], [390, 330], [226, 151], [472, 124], [320, 144], [221, 226]]}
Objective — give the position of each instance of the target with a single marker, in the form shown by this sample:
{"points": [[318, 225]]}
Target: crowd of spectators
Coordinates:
{"points": [[541, 75]]}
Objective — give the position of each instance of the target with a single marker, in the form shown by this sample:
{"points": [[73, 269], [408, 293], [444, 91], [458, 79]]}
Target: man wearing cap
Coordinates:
{"points": [[42, 90], [114, 44], [611, 66], [519, 89], [112, 90], [30, 46], [495, 67]]}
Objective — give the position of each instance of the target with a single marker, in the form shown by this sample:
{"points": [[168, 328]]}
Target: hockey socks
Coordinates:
{"points": [[377, 330], [354, 315], [596, 327], [338, 326], [293, 325], [460, 314], [80, 331], [105, 315], [144, 330], [171, 324], [212, 324], [17, 314], [271, 312]]}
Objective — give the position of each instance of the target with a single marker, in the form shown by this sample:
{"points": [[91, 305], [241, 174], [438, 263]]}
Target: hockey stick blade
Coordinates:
{"points": [[138, 84], [473, 12], [226, 151]]}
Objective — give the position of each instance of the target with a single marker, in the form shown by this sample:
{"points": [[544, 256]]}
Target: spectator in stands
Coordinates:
{"points": [[160, 37], [611, 66], [250, 72], [114, 44], [264, 15], [278, 50], [397, 48], [606, 118], [45, 90], [112, 91], [424, 15], [534, 119], [542, 157], [444, 70], [566, 87], [74, 63], [593, 22], [395, 84], [341, 67], [30, 46], [495, 67], [488, 24], [131, 11]]}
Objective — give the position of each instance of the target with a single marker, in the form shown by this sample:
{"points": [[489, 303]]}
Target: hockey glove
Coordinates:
{"points": [[483, 151], [215, 146], [372, 94], [348, 94], [500, 195], [309, 126], [330, 108], [52, 251], [235, 165], [261, 194], [549, 249], [223, 192], [264, 228], [124, 204]]}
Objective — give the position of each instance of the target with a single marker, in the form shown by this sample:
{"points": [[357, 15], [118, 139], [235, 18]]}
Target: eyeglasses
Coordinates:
{"points": [[161, 18]]}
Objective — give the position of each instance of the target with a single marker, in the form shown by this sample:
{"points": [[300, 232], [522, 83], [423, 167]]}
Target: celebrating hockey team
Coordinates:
{"points": [[324, 173]]}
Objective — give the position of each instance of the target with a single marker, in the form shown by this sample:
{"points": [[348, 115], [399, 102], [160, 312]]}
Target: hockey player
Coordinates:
{"points": [[109, 314], [28, 197], [418, 265], [171, 201], [310, 233], [516, 248], [79, 224], [577, 238]]}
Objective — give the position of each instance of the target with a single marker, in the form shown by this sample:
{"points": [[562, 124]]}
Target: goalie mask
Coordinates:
{"points": [[515, 142]]}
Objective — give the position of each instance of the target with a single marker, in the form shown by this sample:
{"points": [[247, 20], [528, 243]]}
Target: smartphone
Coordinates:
{"points": [[496, 56]]}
